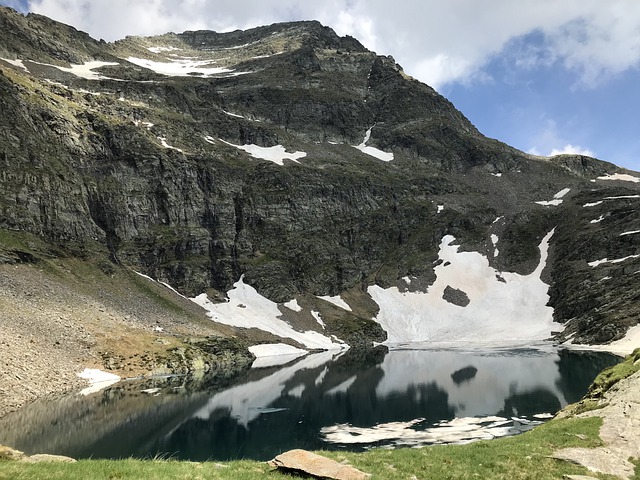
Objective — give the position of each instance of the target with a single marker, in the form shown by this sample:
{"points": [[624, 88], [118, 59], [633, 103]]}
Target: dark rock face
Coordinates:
{"points": [[143, 170]]}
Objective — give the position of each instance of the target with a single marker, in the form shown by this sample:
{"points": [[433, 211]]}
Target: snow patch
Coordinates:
{"points": [[274, 354], [557, 198], [596, 263], [16, 63], [97, 379], [276, 154], [163, 49], [181, 67], [597, 220], [632, 232], [318, 318], [497, 174], [620, 176], [246, 308], [494, 241], [293, 305], [337, 301], [510, 311], [372, 151], [594, 204], [209, 139], [232, 114], [163, 142], [440, 208]]}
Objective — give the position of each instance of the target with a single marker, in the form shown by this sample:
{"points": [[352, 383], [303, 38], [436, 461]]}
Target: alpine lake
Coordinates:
{"points": [[401, 396]]}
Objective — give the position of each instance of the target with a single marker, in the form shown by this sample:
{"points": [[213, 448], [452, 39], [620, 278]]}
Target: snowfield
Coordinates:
{"points": [[372, 151], [276, 154], [507, 308], [246, 308], [557, 198]]}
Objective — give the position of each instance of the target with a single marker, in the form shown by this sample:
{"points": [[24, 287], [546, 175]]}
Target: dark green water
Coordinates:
{"points": [[271, 410]]}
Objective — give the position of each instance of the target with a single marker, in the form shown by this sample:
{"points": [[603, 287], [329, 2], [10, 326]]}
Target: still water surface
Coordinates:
{"points": [[351, 400]]}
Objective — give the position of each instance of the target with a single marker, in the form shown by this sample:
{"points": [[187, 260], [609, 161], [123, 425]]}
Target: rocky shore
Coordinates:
{"points": [[53, 327]]}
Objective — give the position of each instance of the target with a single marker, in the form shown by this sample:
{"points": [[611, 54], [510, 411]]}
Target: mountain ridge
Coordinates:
{"points": [[160, 157]]}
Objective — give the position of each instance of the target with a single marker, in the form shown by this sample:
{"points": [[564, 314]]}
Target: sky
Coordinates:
{"points": [[546, 76]]}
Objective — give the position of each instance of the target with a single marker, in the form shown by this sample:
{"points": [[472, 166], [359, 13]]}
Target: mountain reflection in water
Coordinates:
{"points": [[309, 403]]}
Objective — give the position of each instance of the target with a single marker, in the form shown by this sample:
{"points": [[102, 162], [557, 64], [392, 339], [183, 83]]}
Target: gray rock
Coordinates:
{"points": [[45, 457], [307, 463]]}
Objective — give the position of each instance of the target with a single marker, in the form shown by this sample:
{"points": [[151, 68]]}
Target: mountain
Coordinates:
{"points": [[300, 187]]}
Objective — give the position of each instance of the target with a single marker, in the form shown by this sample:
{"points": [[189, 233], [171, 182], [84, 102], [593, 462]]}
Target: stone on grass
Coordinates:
{"points": [[8, 453], [307, 463], [45, 457]]}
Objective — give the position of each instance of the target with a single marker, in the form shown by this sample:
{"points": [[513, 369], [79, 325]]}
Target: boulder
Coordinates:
{"points": [[45, 457], [307, 463], [8, 453]]}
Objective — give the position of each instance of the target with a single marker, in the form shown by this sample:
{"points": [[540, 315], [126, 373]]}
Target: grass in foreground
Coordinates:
{"points": [[525, 456]]}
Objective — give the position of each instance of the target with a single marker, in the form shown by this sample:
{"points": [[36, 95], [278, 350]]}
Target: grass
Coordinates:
{"points": [[524, 456]]}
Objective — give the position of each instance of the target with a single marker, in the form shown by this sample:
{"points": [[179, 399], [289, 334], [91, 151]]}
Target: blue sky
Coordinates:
{"points": [[545, 76]]}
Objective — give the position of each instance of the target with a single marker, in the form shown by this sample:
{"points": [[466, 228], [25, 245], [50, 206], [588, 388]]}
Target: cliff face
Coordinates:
{"points": [[167, 152]]}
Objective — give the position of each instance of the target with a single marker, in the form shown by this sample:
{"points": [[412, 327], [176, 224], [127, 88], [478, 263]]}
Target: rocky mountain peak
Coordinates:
{"points": [[297, 161]]}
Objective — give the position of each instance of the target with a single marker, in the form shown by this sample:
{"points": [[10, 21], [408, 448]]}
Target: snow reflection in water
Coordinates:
{"points": [[353, 399]]}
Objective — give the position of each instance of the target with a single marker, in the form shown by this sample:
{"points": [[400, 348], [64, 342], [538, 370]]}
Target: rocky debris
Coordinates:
{"points": [[620, 411], [301, 462]]}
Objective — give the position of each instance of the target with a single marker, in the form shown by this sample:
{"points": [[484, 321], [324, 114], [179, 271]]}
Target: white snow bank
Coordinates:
{"points": [[246, 308], [163, 49], [318, 318], [506, 307], [624, 346], [181, 67], [557, 198], [274, 354], [293, 305], [374, 152], [621, 197], [16, 63], [337, 301], [595, 263], [163, 142], [628, 344], [84, 71], [276, 154], [620, 176], [97, 379], [631, 232], [494, 241]]}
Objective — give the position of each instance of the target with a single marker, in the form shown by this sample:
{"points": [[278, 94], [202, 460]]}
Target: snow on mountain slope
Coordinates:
{"points": [[506, 308]]}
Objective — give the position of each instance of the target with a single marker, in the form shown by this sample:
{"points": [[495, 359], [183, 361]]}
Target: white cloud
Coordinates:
{"points": [[568, 148], [548, 139], [437, 42]]}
